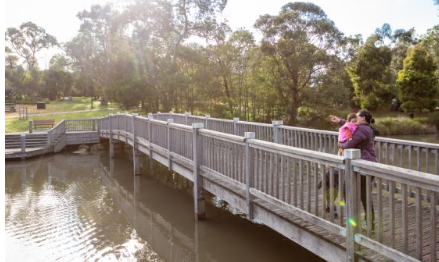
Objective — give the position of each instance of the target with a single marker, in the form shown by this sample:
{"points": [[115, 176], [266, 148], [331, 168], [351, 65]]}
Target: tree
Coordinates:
{"points": [[57, 84], [417, 83], [28, 40], [300, 43], [10, 59], [162, 26], [370, 74]]}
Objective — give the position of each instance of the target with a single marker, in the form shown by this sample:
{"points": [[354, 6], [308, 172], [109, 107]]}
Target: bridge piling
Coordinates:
{"points": [[276, 136], [136, 153], [248, 172], [151, 161], [111, 142], [235, 126], [199, 201], [353, 217], [168, 138]]}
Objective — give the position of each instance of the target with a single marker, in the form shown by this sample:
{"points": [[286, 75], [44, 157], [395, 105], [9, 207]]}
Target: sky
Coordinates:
{"points": [[58, 17]]}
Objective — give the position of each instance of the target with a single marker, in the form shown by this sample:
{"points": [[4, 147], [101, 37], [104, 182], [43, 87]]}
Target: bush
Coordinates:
{"points": [[433, 119], [403, 126]]}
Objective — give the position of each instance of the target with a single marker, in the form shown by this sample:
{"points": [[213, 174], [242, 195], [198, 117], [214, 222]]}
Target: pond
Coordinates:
{"points": [[427, 138], [72, 207]]}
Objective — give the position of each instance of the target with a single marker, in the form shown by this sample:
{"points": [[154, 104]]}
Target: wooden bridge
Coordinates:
{"points": [[272, 174]]}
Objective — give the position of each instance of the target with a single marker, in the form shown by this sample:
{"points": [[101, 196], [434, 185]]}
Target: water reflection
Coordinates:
{"points": [[68, 207]]}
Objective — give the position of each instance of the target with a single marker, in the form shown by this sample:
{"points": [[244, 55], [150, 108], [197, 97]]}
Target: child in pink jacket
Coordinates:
{"points": [[345, 132]]}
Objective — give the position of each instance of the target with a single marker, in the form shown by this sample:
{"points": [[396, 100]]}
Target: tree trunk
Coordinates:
{"points": [[104, 101]]}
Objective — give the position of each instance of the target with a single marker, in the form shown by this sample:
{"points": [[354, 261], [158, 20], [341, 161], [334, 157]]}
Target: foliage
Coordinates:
{"points": [[142, 56], [300, 44], [57, 84], [370, 74], [402, 126], [417, 83], [28, 40], [433, 119]]}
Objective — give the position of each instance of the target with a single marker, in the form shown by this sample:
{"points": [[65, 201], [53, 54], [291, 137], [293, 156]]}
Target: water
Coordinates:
{"points": [[428, 138], [68, 207]]}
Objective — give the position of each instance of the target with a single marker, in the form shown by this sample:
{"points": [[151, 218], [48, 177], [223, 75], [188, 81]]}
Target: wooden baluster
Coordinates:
{"points": [[418, 203]]}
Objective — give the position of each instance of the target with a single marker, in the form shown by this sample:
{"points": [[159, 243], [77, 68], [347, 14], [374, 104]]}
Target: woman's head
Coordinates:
{"points": [[364, 116]]}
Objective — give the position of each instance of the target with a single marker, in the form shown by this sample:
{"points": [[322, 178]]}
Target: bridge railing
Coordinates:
{"points": [[224, 154], [320, 188], [56, 132], [75, 125], [180, 140], [405, 226], [299, 181], [413, 155]]}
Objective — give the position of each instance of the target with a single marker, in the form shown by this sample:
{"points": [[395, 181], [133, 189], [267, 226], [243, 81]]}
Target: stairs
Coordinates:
{"points": [[33, 140]]}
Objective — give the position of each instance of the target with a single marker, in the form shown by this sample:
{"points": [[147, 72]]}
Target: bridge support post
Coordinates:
{"points": [[199, 201], [151, 161], [111, 142], [207, 121], [353, 216], [248, 172], [31, 125], [168, 142], [136, 154], [170, 115], [186, 116], [23, 142], [235, 126], [111, 166], [49, 138], [276, 137]]}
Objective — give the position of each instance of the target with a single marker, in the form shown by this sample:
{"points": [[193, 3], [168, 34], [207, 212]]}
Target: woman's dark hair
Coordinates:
{"points": [[369, 119], [367, 116]]}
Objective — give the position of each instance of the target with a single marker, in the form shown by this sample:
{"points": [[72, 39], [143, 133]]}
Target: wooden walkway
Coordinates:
{"points": [[274, 180], [278, 185]]}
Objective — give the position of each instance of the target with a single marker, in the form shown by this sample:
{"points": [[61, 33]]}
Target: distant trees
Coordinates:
{"points": [[27, 41], [370, 74], [418, 85], [299, 44], [142, 55]]}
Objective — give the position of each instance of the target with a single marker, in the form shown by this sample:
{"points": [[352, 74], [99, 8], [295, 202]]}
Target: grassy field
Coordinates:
{"points": [[16, 125], [78, 104]]}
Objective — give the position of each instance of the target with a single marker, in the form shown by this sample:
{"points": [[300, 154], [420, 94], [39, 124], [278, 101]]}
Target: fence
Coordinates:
{"points": [[413, 155]]}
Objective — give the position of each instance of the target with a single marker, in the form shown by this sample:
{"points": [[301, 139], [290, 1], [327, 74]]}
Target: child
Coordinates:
{"points": [[345, 132]]}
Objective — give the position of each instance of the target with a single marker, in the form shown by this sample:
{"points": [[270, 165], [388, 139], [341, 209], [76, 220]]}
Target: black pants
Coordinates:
{"points": [[364, 199]]}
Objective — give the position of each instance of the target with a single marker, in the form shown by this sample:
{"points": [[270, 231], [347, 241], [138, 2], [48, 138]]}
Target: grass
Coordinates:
{"points": [[77, 104], [16, 125]]}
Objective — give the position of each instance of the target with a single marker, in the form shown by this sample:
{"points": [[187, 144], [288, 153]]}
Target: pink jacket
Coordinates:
{"points": [[345, 132]]}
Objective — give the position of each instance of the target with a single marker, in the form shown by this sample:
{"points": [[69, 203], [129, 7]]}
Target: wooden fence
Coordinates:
{"points": [[412, 155]]}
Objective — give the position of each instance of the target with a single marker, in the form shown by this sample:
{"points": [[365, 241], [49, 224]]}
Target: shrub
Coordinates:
{"points": [[402, 126], [433, 119]]}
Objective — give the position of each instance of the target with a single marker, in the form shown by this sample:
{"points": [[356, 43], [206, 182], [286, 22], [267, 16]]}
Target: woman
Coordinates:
{"points": [[363, 138]]}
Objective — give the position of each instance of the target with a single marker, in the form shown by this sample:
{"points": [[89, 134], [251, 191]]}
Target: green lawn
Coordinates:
{"points": [[78, 103], [16, 125]]}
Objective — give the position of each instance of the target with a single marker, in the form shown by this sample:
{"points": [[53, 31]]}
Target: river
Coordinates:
{"points": [[68, 207], [428, 138]]}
